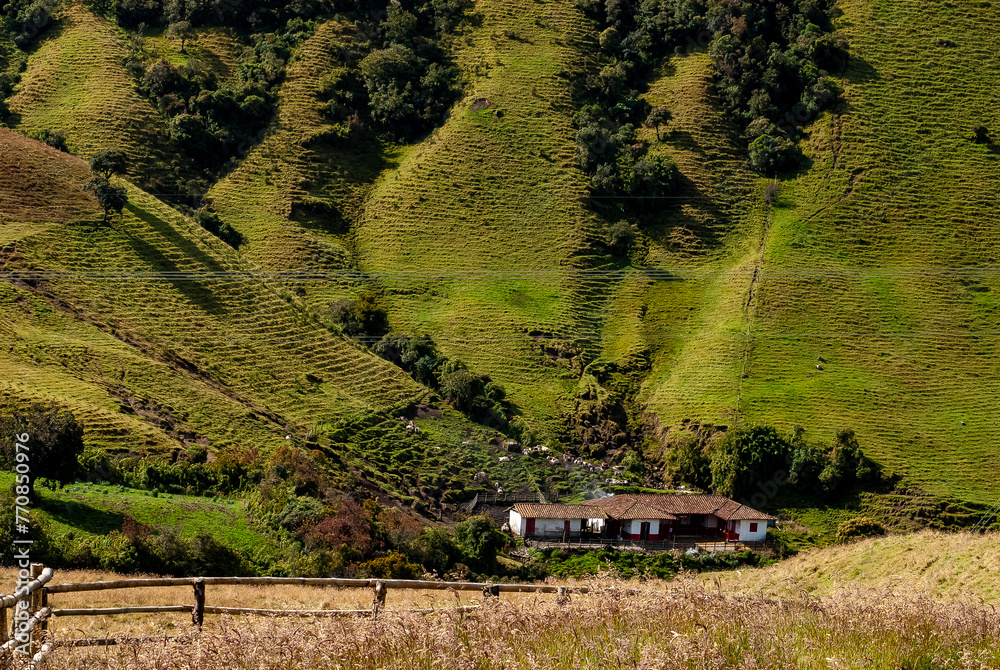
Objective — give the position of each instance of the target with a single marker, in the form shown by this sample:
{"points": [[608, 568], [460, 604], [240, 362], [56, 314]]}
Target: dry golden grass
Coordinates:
{"points": [[283, 596], [32, 184], [947, 566], [690, 625], [919, 601]]}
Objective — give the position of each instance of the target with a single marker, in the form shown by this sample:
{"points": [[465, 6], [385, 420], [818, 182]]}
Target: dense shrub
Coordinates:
{"points": [[773, 153], [745, 456], [771, 62], [363, 316], [475, 394], [480, 542], [840, 466], [54, 138], [391, 566], [211, 222], [688, 462], [858, 528], [26, 20], [621, 235]]}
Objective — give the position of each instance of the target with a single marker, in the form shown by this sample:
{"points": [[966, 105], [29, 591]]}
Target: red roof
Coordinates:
{"points": [[670, 506], [542, 511]]}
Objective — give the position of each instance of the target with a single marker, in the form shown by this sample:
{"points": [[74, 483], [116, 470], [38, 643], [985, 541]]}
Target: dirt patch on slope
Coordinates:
{"points": [[39, 183]]}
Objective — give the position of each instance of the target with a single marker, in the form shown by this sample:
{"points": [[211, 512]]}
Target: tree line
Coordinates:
{"points": [[772, 64]]}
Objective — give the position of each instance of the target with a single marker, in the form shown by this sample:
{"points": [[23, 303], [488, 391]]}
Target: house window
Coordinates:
{"points": [[685, 520], [753, 527]]}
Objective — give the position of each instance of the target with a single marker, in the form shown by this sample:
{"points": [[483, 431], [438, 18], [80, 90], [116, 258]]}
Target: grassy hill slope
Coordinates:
{"points": [[481, 232], [75, 82], [876, 258], [231, 361], [953, 566], [880, 257]]}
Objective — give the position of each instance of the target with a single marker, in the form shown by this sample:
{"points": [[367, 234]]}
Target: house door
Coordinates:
{"points": [[529, 527], [644, 531], [566, 527]]}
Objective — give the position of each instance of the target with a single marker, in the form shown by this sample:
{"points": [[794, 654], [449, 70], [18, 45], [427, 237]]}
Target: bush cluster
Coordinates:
{"points": [[364, 316], [748, 457], [232, 471], [336, 535], [474, 393], [619, 164], [26, 20], [409, 79], [211, 222], [627, 564], [209, 121], [859, 528]]}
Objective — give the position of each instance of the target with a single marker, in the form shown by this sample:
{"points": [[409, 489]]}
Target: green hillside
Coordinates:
{"points": [[860, 296]]}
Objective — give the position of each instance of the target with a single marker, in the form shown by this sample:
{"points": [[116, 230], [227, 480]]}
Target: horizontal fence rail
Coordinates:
{"points": [[306, 581], [30, 636]]}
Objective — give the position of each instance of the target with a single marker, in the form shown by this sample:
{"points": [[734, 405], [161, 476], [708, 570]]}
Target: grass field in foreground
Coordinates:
{"points": [[687, 626]]}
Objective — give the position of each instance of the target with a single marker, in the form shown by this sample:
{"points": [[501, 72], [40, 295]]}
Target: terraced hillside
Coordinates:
{"points": [[481, 231], [75, 83], [154, 363], [863, 296], [881, 257], [262, 198]]}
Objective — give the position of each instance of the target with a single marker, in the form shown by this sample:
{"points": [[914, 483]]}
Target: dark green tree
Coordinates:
{"points": [[480, 541], [744, 457], [657, 117], [109, 163], [181, 30], [53, 441], [111, 198]]}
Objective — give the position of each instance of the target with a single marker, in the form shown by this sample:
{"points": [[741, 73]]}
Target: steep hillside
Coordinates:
{"points": [[95, 321], [262, 198], [880, 257], [75, 83], [862, 295], [953, 566], [481, 233]]}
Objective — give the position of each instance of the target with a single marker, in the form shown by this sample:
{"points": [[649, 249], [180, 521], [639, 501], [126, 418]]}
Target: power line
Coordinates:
{"points": [[676, 274]]}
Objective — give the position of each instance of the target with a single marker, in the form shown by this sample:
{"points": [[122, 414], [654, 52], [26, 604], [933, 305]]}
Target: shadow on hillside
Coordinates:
{"points": [[702, 215], [860, 71], [169, 233], [195, 291], [82, 515]]}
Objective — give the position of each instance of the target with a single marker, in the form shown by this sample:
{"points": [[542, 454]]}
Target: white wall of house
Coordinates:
{"points": [[634, 527], [516, 524], [556, 527], [746, 535]]}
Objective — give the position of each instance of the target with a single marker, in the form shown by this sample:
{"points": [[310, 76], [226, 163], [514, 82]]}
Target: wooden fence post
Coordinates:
{"points": [[561, 596], [198, 613], [378, 602], [491, 591], [35, 604]]}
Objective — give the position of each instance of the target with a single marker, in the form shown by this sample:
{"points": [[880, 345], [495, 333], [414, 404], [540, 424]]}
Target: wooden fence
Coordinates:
{"points": [[28, 618], [31, 638]]}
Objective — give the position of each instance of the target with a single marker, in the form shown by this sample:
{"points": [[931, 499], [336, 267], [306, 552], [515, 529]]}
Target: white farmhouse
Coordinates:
{"points": [[555, 522]]}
